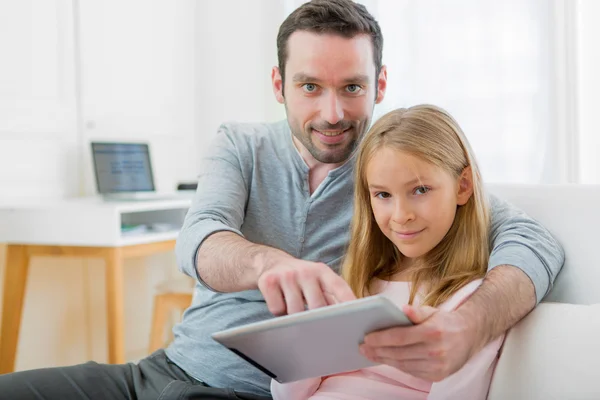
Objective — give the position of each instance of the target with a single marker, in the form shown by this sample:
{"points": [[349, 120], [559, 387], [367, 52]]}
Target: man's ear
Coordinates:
{"points": [[381, 84], [465, 186], [277, 84]]}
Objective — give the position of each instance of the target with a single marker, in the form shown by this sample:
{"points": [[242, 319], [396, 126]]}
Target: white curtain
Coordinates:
{"points": [[491, 64]]}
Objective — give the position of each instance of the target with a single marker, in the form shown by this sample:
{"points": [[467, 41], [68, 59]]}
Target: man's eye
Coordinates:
{"points": [[421, 190], [309, 87], [353, 88]]}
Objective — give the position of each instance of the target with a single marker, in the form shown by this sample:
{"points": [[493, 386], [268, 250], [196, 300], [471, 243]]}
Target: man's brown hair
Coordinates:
{"points": [[338, 17]]}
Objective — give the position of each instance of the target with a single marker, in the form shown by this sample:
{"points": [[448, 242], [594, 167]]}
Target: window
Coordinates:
{"points": [[491, 65]]}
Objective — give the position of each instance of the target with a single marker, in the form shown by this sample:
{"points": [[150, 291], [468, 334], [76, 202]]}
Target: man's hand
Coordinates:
{"points": [[438, 345], [290, 284]]}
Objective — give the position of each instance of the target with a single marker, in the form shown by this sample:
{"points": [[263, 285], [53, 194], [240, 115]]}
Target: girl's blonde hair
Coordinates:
{"points": [[431, 134]]}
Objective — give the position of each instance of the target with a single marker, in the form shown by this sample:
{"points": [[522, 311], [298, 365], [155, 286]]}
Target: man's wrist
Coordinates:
{"points": [[264, 258], [468, 317]]}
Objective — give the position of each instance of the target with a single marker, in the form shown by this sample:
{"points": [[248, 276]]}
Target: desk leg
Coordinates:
{"points": [[15, 279], [114, 303]]}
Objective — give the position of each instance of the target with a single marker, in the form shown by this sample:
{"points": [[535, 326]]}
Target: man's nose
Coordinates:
{"points": [[331, 109]]}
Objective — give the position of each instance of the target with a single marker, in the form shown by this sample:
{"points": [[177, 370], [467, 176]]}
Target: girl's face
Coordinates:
{"points": [[414, 202]]}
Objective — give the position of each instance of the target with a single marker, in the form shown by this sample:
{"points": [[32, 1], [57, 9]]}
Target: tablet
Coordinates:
{"points": [[313, 343]]}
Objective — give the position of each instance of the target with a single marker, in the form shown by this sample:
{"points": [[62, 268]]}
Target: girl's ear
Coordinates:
{"points": [[465, 186]]}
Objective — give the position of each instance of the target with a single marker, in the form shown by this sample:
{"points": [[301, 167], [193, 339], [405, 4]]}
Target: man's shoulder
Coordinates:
{"points": [[502, 209], [244, 143], [254, 133]]}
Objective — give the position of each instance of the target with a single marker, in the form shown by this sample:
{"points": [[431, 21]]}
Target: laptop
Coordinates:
{"points": [[124, 172]]}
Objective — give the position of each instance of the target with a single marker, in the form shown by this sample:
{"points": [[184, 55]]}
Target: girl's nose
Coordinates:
{"points": [[403, 213]]}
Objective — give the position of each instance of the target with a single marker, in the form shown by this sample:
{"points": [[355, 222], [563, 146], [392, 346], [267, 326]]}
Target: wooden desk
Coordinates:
{"points": [[86, 228]]}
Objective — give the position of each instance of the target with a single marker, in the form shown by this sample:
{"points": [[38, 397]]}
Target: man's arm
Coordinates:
{"points": [[503, 299], [212, 249], [229, 263], [520, 241], [442, 342], [219, 202], [524, 263]]}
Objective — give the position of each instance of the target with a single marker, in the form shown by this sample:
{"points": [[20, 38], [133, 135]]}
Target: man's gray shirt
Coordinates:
{"points": [[255, 183]]}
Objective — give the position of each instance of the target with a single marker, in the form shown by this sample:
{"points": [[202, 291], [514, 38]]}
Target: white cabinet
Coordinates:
{"points": [[93, 222]]}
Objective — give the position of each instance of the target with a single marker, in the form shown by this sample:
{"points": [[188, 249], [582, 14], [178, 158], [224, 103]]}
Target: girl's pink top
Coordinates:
{"points": [[385, 382]]}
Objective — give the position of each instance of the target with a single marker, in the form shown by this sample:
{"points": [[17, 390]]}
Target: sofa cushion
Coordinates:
{"points": [[553, 353]]}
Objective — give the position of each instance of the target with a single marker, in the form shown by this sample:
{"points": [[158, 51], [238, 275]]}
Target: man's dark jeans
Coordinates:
{"points": [[155, 377]]}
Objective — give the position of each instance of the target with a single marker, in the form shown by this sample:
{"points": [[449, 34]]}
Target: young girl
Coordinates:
{"points": [[419, 236]]}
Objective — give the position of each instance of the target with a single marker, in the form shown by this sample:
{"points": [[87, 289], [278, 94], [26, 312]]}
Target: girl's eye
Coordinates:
{"points": [[421, 190], [383, 195], [309, 87]]}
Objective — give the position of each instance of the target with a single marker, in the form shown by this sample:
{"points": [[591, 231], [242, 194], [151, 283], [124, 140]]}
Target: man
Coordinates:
{"points": [[269, 224]]}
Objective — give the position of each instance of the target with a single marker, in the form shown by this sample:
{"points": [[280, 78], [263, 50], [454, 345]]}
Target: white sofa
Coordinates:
{"points": [[554, 352]]}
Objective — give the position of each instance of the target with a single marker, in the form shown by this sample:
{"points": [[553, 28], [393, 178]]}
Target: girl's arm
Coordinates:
{"points": [[299, 390]]}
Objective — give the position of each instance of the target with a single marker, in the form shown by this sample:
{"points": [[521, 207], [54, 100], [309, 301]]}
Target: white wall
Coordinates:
{"points": [[588, 69], [38, 115], [236, 51]]}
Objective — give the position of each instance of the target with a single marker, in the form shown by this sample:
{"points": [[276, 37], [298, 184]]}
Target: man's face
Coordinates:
{"points": [[330, 91]]}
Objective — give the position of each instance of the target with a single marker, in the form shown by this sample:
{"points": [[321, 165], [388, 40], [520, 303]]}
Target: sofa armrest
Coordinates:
{"points": [[553, 353]]}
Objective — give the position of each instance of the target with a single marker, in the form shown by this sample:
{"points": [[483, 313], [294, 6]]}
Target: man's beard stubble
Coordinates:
{"points": [[336, 154]]}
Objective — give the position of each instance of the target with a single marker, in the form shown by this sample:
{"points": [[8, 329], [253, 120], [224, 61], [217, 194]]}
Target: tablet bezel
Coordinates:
{"points": [[271, 345]]}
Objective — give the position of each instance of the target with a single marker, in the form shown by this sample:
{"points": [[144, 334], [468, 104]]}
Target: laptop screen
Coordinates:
{"points": [[122, 167]]}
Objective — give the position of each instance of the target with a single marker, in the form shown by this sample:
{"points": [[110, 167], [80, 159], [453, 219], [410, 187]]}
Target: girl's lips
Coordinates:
{"points": [[408, 235], [331, 139]]}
